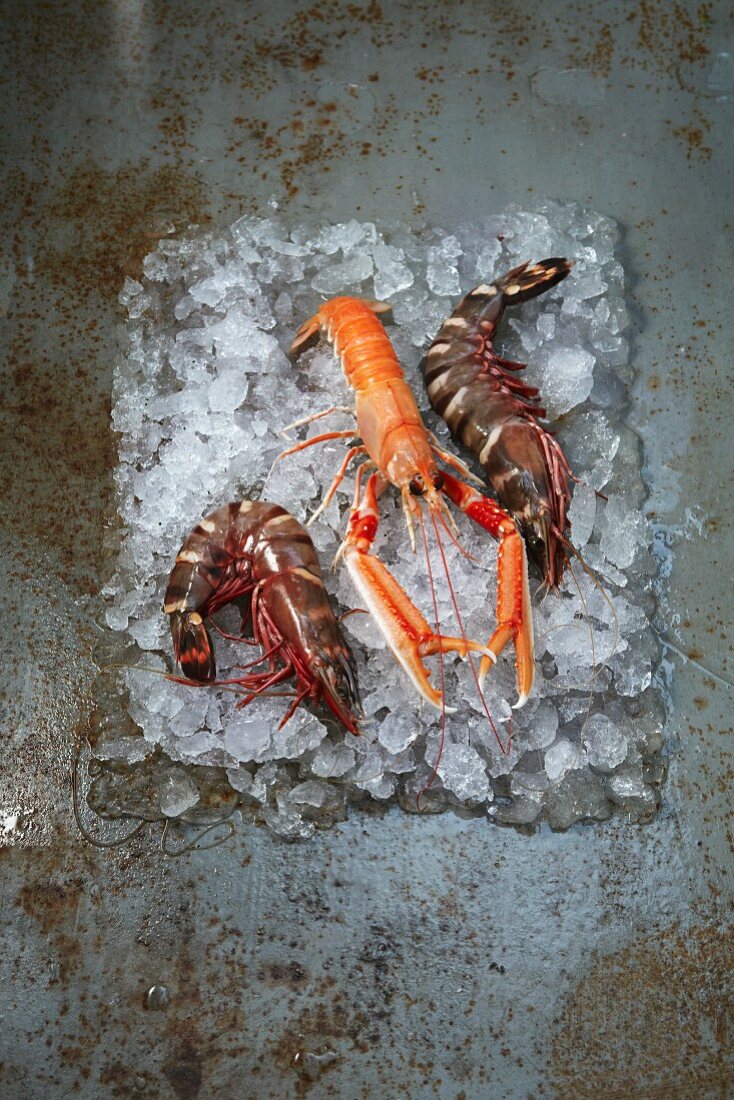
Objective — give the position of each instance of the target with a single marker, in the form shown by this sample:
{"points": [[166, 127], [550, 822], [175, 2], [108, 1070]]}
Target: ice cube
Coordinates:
{"points": [[392, 274], [245, 737], [228, 391], [240, 779], [286, 821], [546, 325], [568, 378], [399, 728], [463, 772], [331, 760], [582, 514], [177, 792], [340, 278], [116, 618], [441, 271], [630, 792], [606, 745], [624, 531], [544, 725], [314, 798], [561, 757], [579, 796]]}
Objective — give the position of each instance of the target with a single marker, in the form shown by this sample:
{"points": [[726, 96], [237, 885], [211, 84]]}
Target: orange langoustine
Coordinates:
{"points": [[402, 453]]}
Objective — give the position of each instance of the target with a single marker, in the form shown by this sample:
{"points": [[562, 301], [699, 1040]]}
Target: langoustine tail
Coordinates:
{"points": [[309, 332]]}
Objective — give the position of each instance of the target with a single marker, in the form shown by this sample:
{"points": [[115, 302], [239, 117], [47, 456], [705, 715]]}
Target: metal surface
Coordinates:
{"points": [[391, 956]]}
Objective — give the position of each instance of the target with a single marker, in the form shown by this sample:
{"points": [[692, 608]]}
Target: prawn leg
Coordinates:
{"points": [[405, 630], [317, 416], [339, 477], [514, 613], [323, 438]]}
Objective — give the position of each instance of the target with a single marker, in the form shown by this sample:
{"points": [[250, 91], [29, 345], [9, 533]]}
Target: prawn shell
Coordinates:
{"points": [[259, 556], [497, 416]]}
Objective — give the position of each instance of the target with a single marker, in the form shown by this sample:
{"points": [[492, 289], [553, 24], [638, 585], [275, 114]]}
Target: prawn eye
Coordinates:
{"points": [[438, 481], [416, 486]]}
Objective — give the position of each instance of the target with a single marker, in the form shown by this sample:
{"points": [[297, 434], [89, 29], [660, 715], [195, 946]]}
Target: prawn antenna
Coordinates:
{"points": [[455, 539], [504, 749], [595, 670], [599, 587], [442, 673]]}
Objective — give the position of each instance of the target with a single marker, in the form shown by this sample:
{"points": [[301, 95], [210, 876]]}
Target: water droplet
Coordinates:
{"points": [[312, 1063], [720, 79], [714, 82], [156, 999]]}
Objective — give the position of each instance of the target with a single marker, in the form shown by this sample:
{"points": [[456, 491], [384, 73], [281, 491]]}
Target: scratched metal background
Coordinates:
{"points": [[391, 956]]}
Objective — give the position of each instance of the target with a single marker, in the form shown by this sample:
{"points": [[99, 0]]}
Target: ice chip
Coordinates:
{"points": [[116, 618], [332, 760], [606, 745], [544, 724], [316, 799], [568, 378], [624, 531], [343, 277], [463, 772], [392, 274], [441, 272], [582, 514], [177, 792], [228, 391], [246, 737], [399, 728], [630, 792], [561, 757]]}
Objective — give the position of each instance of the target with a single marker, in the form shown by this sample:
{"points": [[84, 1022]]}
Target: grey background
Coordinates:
{"points": [[393, 956]]}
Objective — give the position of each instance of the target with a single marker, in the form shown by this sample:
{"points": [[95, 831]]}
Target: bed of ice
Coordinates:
{"points": [[200, 401]]}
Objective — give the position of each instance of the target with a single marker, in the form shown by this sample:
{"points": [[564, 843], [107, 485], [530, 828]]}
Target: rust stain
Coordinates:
{"points": [[668, 34], [72, 251], [653, 1020], [291, 974], [319, 1030], [99, 225], [183, 1068], [51, 904], [693, 138]]}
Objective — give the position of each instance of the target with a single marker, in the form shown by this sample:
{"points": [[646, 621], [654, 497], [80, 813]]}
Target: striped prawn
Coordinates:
{"points": [[259, 556], [497, 416], [399, 451]]}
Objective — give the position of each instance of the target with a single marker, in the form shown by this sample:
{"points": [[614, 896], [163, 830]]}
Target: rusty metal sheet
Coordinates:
{"points": [[390, 956]]}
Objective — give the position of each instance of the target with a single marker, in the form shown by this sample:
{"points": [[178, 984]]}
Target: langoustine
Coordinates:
{"points": [[497, 416], [259, 556], [395, 440]]}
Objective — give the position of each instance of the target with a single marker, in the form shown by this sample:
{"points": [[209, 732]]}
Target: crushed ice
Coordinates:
{"points": [[200, 401]]}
